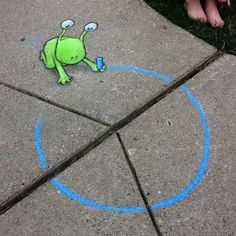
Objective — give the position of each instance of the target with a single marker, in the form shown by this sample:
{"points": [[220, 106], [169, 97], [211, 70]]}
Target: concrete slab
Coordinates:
{"points": [[129, 33], [167, 155], [62, 134], [160, 147], [102, 175]]}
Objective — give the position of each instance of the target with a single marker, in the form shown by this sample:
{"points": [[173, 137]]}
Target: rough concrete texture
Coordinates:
{"points": [[62, 134], [129, 33], [210, 209], [101, 175], [164, 145], [108, 180]]}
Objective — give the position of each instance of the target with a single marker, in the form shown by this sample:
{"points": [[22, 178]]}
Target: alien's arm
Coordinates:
{"points": [[91, 64]]}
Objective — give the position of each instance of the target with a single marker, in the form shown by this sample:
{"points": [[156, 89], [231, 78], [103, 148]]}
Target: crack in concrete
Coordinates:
{"points": [[112, 129], [138, 184], [48, 101]]}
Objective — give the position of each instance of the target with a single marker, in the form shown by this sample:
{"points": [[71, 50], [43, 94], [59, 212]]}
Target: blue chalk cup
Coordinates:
{"points": [[99, 63]]}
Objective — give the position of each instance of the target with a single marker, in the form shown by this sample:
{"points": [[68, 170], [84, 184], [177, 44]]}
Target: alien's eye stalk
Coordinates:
{"points": [[67, 24], [90, 27]]}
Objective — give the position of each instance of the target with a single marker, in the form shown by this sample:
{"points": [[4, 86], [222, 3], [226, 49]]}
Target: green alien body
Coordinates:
{"points": [[65, 50]]}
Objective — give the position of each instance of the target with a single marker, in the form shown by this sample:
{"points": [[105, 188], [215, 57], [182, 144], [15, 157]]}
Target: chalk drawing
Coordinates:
{"points": [[66, 50], [183, 194]]}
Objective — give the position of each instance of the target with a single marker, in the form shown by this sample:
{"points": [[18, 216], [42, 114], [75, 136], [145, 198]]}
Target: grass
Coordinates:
{"points": [[222, 38]]}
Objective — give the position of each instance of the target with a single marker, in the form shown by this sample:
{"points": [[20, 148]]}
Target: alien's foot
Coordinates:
{"points": [[194, 10], [213, 14], [64, 80]]}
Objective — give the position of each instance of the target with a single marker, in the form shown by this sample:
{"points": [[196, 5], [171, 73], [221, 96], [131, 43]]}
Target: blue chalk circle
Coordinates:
{"points": [[99, 62], [183, 194]]}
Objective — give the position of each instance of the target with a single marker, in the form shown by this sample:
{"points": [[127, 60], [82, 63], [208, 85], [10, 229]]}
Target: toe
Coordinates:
{"points": [[195, 11], [213, 14], [217, 23]]}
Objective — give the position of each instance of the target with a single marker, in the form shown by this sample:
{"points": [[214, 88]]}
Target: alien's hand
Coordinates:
{"points": [[103, 68]]}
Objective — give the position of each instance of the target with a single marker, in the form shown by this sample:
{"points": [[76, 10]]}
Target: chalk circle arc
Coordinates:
{"points": [[183, 194]]}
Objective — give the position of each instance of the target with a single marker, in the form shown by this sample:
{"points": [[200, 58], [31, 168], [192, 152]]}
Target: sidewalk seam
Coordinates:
{"points": [[50, 102], [138, 184], [68, 161]]}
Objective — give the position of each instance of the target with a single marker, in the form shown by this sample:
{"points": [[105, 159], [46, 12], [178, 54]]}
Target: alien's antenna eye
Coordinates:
{"points": [[90, 26], [67, 24]]}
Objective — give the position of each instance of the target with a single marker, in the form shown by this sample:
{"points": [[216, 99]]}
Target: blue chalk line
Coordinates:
{"points": [[133, 209]]}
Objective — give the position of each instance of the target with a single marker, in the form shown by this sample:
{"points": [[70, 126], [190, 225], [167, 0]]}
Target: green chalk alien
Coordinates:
{"points": [[66, 50]]}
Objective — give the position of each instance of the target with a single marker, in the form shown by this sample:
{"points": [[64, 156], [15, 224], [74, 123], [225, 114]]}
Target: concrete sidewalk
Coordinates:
{"points": [[133, 150]]}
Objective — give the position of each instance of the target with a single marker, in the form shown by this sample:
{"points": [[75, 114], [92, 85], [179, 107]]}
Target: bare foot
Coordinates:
{"points": [[213, 15], [194, 10]]}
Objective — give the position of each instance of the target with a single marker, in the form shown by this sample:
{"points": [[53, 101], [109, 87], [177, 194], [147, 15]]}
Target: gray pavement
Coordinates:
{"points": [[103, 176], [123, 37], [114, 185], [62, 134], [211, 208], [168, 154]]}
